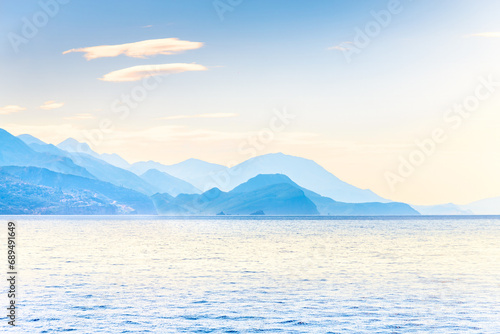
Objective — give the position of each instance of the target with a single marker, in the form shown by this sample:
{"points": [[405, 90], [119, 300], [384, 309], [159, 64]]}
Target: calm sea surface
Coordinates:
{"points": [[141, 275]]}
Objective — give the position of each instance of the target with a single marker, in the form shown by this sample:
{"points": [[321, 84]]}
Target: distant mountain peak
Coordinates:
{"points": [[262, 181], [214, 192], [277, 155], [152, 171], [193, 159], [74, 146], [15, 152], [29, 139], [69, 141], [166, 183], [304, 172], [275, 176], [195, 162]]}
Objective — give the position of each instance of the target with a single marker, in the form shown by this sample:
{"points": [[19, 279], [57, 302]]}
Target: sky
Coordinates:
{"points": [[401, 97]]}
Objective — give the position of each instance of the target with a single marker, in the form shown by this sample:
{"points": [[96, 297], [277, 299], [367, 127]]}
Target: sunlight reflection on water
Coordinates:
{"points": [[290, 276]]}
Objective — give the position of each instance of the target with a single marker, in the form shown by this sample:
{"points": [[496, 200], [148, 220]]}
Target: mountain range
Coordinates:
{"points": [[274, 194], [307, 173], [71, 178], [33, 190]]}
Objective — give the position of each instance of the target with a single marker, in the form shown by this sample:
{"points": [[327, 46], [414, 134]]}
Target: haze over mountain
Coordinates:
{"points": [[165, 183], [268, 184], [29, 139], [449, 209], [13, 151], [74, 146], [197, 172], [304, 172], [87, 162], [488, 206], [275, 199], [32, 190], [325, 205], [115, 175], [273, 194], [104, 171]]}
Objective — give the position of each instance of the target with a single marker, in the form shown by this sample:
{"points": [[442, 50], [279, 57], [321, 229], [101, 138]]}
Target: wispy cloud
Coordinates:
{"points": [[491, 34], [10, 109], [214, 115], [344, 46], [49, 105], [142, 49], [80, 116], [138, 72]]}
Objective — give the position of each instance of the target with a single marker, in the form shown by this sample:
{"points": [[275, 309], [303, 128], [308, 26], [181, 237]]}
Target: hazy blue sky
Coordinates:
{"points": [[357, 118]]}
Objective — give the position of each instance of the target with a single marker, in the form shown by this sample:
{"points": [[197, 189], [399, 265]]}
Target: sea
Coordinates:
{"points": [[254, 274]]}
